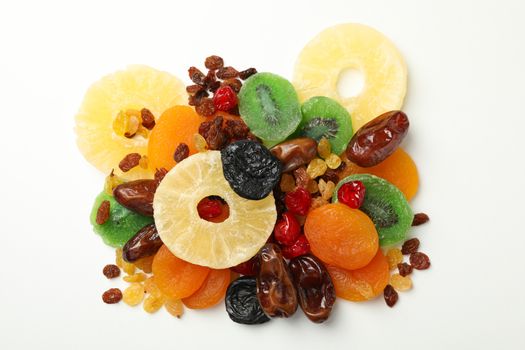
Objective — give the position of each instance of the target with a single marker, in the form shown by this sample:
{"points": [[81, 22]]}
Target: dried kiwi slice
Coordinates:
{"points": [[268, 104], [325, 117], [386, 205], [121, 225]]}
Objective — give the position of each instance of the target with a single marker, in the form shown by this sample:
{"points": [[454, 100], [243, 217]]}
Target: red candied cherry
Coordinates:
{"points": [[287, 229], [224, 98], [352, 194], [300, 247], [209, 208], [298, 201], [246, 268]]}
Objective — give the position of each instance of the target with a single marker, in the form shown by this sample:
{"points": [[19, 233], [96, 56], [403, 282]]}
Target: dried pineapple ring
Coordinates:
{"points": [[187, 236], [353, 46]]}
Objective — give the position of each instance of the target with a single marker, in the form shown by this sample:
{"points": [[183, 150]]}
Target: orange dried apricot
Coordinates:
{"points": [[362, 284], [175, 277], [211, 292], [398, 168], [341, 236]]}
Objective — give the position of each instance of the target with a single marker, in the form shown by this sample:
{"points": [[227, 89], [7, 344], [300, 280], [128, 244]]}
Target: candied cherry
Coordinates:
{"points": [[209, 208], [352, 194], [298, 201], [224, 99], [247, 268], [300, 247], [287, 229]]}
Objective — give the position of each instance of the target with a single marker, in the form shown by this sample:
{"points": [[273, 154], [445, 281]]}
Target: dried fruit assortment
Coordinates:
{"points": [[302, 192]]}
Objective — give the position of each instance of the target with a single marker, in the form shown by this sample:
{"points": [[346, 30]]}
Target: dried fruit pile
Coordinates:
{"points": [[267, 194]]}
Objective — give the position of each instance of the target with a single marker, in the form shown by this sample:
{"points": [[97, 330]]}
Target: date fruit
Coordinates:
{"points": [[314, 287], [296, 152], [146, 242], [137, 196], [241, 302], [275, 289], [378, 139]]}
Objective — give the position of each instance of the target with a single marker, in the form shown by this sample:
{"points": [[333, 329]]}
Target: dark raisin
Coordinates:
{"points": [[210, 78], [205, 107], [235, 84], [111, 271], [245, 74], [236, 129], [159, 175], [242, 304], [129, 162], [330, 175], [193, 89], [235, 111], [103, 213], [196, 76], [214, 86], [410, 246], [227, 73], [301, 177], [420, 219], [419, 261], [148, 119], [390, 295], [341, 167], [181, 152], [214, 62], [404, 269], [213, 134], [112, 296]]}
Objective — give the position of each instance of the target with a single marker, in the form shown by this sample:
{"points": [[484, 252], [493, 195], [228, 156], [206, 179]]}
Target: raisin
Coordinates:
{"points": [[136, 277], [333, 161], [181, 152], [394, 257], [214, 62], [404, 269], [193, 89], [111, 271], [301, 177], [205, 108], [152, 304], [227, 73], [196, 76], [390, 295], [420, 219], [134, 294], [112, 296], [148, 119], [129, 162], [316, 168], [213, 133], [287, 183], [245, 74], [324, 148], [236, 129], [330, 175], [210, 78], [410, 246], [103, 213], [174, 307], [159, 175], [341, 167], [214, 86], [400, 283], [235, 84], [200, 143], [419, 261]]}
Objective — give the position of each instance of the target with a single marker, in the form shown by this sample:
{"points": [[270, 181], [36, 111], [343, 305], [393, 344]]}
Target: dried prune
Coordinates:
{"points": [[314, 287], [242, 304], [275, 289], [146, 242], [250, 169]]}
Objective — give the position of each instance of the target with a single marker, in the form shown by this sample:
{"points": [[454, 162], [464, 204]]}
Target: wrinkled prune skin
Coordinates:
{"points": [[314, 287], [250, 169], [137, 195], [295, 153], [242, 304], [275, 289], [378, 139], [146, 242]]}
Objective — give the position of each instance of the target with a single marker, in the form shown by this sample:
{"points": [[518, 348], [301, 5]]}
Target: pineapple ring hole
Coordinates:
{"points": [[350, 83], [218, 200]]}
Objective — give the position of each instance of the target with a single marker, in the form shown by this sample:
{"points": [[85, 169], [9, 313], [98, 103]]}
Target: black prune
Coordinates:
{"points": [[314, 287], [250, 169], [242, 304]]}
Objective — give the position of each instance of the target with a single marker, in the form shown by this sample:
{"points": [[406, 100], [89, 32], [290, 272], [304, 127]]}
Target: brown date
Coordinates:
{"points": [[275, 290], [377, 139], [314, 287], [296, 152], [137, 195], [146, 242]]}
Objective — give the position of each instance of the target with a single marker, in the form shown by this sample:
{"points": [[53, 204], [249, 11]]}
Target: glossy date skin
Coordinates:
{"points": [[314, 287], [137, 195], [275, 289], [295, 153], [146, 242], [378, 139]]}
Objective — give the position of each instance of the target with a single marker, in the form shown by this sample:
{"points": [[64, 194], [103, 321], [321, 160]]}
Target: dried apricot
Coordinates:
{"points": [[175, 277], [211, 292], [364, 283], [341, 236]]}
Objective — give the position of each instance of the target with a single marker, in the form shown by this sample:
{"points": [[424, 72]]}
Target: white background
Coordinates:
{"points": [[465, 98]]}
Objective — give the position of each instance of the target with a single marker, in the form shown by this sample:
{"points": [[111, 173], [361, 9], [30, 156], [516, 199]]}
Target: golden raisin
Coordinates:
{"points": [[324, 148], [312, 187], [316, 168], [111, 182], [287, 183], [134, 294], [128, 267], [400, 283], [318, 202], [151, 287], [118, 258], [328, 190], [143, 132], [394, 257], [144, 264], [200, 143], [333, 161], [137, 277], [143, 162], [174, 307], [152, 304]]}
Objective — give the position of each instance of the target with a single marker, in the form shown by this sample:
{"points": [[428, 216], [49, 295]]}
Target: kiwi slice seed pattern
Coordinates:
{"points": [[318, 127], [270, 110]]}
